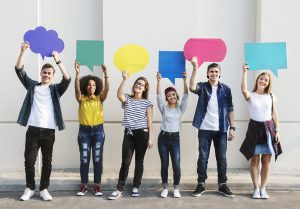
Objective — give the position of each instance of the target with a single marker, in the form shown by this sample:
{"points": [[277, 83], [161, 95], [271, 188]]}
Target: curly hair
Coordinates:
{"points": [[145, 93], [84, 83]]}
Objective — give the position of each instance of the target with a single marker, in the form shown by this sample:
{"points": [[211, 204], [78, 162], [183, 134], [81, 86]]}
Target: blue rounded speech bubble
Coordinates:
{"points": [[43, 41]]}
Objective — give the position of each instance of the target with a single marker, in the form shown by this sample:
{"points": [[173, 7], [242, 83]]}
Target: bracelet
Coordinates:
{"points": [[277, 129], [106, 76], [58, 62], [232, 127]]}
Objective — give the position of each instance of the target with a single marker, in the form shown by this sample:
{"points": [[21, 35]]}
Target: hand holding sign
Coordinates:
{"points": [[262, 56], [131, 58], [43, 42], [206, 49]]}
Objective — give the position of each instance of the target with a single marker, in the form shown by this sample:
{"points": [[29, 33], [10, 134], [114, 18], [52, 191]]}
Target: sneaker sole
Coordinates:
{"points": [[26, 199], [198, 195], [135, 195], [81, 194], [114, 198], [226, 195], [98, 194]]}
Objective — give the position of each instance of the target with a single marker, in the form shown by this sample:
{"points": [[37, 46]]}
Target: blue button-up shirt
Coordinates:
{"points": [[204, 91]]}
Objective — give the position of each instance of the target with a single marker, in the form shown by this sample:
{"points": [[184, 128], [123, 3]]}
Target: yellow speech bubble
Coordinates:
{"points": [[131, 58]]}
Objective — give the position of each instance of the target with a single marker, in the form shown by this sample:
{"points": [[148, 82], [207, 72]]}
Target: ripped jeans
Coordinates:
{"points": [[91, 139]]}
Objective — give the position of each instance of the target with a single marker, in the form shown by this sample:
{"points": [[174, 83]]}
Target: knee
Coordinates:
{"points": [[254, 161], [265, 163]]}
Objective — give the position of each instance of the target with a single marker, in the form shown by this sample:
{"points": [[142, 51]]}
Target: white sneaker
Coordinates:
{"points": [[256, 193], [115, 195], [164, 193], [135, 192], [44, 194], [27, 194], [263, 193], [176, 193]]}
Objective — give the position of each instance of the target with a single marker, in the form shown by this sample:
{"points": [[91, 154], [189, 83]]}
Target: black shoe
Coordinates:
{"points": [[223, 189], [199, 190]]}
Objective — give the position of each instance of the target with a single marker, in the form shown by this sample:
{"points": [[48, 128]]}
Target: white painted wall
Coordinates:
{"points": [[156, 25]]}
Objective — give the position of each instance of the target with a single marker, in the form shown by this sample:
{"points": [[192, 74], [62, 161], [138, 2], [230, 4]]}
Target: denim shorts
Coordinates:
{"points": [[264, 148]]}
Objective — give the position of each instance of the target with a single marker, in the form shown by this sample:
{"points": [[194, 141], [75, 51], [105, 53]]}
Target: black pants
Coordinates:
{"points": [[38, 138], [137, 142]]}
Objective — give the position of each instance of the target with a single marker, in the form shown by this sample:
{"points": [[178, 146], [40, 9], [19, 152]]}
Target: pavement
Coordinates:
{"points": [[283, 189]]}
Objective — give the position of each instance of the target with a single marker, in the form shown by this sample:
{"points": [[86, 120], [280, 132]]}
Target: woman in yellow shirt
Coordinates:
{"points": [[90, 94]]}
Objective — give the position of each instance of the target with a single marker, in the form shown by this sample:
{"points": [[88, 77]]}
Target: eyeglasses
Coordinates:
{"points": [[46, 73], [139, 84]]}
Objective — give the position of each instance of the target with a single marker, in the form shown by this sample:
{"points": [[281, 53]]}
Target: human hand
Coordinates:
{"points": [[55, 56], [184, 75], [245, 67], [158, 76], [25, 45], [150, 143], [124, 75], [77, 67], [104, 69], [231, 135], [194, 62], [277, 136]]}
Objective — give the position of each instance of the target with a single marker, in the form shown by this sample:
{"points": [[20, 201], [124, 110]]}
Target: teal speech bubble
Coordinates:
{"points": [[90, 53], [266, 56]]}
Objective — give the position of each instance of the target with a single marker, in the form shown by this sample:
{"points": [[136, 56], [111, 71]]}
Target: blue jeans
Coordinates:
{"points": [[220, 143], [91, 138], [168, 143]]}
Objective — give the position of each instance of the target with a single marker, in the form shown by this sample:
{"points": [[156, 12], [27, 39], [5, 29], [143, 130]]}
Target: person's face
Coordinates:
{"points": [[213, 74], [171, 97], [91, 87], [47, 75], [139, 86], [263, 81]]}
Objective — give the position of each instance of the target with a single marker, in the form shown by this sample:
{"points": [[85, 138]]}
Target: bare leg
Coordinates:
{"points": [[265, 162], [254, 170]]}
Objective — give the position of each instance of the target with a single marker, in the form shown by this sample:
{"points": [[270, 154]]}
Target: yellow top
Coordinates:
{"points": [[90, 111]]}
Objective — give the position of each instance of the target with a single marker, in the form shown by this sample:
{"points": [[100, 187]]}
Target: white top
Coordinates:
{"points": [[171, 117], [211, 119], [135, 113], [260, 106], [42, 110]]}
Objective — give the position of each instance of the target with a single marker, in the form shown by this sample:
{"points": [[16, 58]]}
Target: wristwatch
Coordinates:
{"points": [[232, 127]]}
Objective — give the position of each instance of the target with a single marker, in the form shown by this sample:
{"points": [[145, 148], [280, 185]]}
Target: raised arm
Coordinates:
{"points": [[185, 86], [20, 62], [120, 92], [193, 82], [158, 78], [244, 87], [62, 68], [77, 81], [105, 90]]}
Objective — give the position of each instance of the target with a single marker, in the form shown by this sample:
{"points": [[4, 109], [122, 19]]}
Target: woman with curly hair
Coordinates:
{"points": [[90, 94]]}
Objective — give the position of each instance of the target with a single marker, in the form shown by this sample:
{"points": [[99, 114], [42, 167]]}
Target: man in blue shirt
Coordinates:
{"points": [[213, 116]]}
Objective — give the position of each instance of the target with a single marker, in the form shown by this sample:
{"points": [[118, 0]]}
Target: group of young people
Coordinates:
{"points": [[214, 119]]}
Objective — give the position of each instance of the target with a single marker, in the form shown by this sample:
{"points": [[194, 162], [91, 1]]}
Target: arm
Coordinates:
{"points": [[149, 120], [120, 92], [77, 82], [104, 92], [231, 124], [276, 122], [185, 86], [244, 87], [20, 63], [62, 68], [193, 83], [158, 94]]}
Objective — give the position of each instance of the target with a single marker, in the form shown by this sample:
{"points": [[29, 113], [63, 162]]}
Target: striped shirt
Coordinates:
{"points": [[135, 113]]}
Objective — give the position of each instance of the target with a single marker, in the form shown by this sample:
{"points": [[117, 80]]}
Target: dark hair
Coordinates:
{"points": [[167, 90], [84, 83], [47, 65], [212, 65], [268, 88], [145, 93]]}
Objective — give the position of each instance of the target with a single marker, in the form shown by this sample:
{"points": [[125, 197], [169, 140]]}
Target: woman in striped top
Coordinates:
{"points": [[137, 134]]}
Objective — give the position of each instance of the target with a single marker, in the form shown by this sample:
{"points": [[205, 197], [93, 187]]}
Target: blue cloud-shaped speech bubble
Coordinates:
{"points": [[266, 56], [171, 64], [43, 41]]}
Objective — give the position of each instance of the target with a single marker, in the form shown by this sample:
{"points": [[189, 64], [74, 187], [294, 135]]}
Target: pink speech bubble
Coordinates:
{"points": [[206, 49]]}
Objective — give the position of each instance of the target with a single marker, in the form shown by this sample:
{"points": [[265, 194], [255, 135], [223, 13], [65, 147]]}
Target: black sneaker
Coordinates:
{"points": [[223, 189], [199, 190]]}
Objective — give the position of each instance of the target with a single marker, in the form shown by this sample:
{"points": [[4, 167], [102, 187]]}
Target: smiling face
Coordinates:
{"points": [[172, 97], [213, 74], [263, 83], [139, 86], [91, 87], [47, 75]]}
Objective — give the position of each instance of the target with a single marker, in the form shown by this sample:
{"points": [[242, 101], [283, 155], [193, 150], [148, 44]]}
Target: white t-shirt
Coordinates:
{"points": [[42, 110], [211, 119], [260, 106]]}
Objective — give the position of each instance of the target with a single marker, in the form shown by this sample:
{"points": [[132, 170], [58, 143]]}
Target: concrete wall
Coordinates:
{"points": [[156, 25]]}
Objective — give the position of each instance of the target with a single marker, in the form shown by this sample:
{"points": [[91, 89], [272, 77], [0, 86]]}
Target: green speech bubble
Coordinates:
{"points": [[90, 53]]}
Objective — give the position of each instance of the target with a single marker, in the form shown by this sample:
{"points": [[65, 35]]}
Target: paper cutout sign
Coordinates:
{"points": [[206, 49], [266, 56], [131, 58], [43, 41], [171, 64], [90, 53]]}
